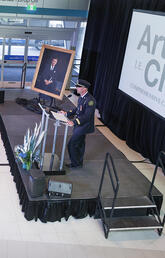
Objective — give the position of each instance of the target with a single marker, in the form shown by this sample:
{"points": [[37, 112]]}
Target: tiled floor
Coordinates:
{"points": [[73, 238]]}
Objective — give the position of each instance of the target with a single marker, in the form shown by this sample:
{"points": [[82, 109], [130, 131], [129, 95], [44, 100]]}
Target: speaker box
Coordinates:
{"points": [[61, 189], [2, 96], [37, 183]]}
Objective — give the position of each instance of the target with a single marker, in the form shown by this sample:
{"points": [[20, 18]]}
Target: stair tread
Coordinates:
{"points": [[128, 202], [138, 222]]}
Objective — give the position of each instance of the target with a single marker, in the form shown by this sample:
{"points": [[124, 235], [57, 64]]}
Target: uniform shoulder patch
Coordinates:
{"points": [[91, 103]]}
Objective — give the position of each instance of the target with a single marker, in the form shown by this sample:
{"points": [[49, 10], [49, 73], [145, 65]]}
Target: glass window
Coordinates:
{"points": [[38, 23], [70, 24], [34, 47], [16, 46], [56, 24], [1, 47], [83, 24], [13, 21]]}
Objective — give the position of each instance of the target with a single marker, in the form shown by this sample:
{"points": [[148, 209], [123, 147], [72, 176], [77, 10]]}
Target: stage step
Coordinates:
{"points": [[128, 203], [123, 219], [133, 223], [125, 213]]}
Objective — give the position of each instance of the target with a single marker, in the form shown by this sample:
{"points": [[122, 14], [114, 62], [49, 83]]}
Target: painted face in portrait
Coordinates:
{"points": [[54, 61]]}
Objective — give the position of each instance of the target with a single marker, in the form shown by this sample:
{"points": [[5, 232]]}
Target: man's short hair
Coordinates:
{"points": [[55, 57]]}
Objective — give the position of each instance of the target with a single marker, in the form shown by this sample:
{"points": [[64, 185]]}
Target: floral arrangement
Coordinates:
{"points": [[30, 150]]}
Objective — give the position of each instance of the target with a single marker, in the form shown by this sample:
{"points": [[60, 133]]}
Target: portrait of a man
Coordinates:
{"points": [[52, 72]]}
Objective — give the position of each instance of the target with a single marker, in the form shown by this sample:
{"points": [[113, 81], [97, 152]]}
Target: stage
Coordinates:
{"points": [[15, 120]]}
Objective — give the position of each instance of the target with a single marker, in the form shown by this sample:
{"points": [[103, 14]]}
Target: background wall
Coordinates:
{"points": [[45, 8]]}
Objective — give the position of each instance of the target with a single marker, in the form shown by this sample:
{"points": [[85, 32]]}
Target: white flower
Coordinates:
{"points": [[32, 141]]}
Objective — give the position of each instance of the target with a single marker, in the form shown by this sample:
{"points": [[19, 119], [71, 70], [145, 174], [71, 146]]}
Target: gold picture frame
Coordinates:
{"points": [[53, 71]]}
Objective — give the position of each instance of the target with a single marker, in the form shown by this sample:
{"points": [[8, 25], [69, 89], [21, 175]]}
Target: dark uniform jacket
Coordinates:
{"points": [[84, 115]]}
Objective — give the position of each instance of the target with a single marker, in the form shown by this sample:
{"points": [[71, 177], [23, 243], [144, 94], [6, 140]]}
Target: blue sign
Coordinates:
{"points": [[32, 58], [13, 57], [20, 58]]}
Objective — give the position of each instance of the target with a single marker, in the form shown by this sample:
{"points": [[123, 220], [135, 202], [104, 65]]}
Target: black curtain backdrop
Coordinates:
{"points": [[102, 58]]}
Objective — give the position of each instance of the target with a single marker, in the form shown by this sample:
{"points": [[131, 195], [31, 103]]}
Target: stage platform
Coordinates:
{"points": [[15, 120]]}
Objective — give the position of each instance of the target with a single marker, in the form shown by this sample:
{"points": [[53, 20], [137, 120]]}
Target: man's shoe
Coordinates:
{"points": [[72, 166]]}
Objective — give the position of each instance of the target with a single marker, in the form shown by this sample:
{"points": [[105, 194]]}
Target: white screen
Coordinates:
{"points": [[143, 71]]}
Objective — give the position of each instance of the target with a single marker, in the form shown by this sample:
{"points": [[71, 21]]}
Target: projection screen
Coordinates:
{"points": [[143, 71]]}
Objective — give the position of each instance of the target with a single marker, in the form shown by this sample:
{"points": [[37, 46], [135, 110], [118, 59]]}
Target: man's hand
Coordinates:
{"points": [[47, 82], [70, 123]]}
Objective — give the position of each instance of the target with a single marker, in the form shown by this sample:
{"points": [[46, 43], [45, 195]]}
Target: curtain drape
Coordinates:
{"points": [[103, 53]]}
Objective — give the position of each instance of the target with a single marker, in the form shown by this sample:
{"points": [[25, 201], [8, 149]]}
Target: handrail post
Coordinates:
{"points": [[158, 162], [115, 187], [23, 75]]}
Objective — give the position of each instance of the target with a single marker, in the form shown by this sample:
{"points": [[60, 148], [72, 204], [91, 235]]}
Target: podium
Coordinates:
{"points": [[60, 120]]}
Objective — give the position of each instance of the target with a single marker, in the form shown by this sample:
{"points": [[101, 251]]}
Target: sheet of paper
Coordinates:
{"points": [[60, 116]]}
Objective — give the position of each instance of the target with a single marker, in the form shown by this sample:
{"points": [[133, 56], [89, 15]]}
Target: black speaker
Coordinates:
{"points": [[61, 189], [2, 96], [37, 183]]}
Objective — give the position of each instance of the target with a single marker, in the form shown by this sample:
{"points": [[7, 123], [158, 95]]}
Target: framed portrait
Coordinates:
{"points": [[53, 71]]}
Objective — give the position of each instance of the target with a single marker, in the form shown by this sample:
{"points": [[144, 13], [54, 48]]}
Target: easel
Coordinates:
{"points": [[52, 105]]}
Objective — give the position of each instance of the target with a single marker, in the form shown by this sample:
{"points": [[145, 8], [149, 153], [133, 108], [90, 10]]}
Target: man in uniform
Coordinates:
{"points": [[83, 123]]}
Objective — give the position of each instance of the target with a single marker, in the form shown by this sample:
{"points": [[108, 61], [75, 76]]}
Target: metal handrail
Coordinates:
{"points": [[115, 186], [106, 165], [159, 163]]}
